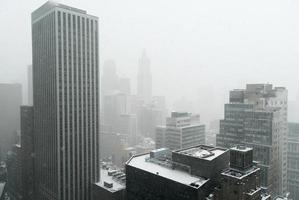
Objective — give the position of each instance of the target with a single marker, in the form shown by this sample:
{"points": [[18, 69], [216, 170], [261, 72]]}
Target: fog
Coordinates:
{"points": [[192, 44]]}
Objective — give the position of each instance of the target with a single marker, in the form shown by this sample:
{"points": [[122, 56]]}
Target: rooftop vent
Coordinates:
{"points": [[108, 184]]}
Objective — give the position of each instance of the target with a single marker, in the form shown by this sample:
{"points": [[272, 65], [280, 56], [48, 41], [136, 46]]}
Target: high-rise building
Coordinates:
{"points": [[10, 102], [112, 185], [189, 174], [29, 86], [256, 117], [144, 79], [182, 130], [27, 150], [293, 160], [66, 102]]}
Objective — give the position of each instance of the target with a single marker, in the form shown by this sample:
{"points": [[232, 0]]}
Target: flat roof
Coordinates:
{"points": [[142, 162], [117, 184], [203, 152], [239, 174], [241, 148], [49, 5]]}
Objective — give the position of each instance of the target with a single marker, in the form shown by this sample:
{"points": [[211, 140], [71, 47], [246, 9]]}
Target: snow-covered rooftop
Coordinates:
{"points": [[239, 174], [117, 184], [241, 148], [203, 153], [142, 162]]}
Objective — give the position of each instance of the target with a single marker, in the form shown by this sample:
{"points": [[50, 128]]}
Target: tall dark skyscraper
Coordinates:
{"points": [[144, 79], [66, 102], [10, 102]]}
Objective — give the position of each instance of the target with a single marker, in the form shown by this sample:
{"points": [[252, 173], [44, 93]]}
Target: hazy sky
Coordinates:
{"points": [[192, 44]]}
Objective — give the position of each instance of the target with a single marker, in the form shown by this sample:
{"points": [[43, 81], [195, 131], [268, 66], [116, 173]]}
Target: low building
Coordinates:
{"points": [[167, 175], [111, 186], [241, 180]]}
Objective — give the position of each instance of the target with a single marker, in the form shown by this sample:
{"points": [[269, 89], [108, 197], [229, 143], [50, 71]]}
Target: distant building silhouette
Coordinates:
{"points": [[10, 102], [109, 81], [66, 102], [144, 79]]}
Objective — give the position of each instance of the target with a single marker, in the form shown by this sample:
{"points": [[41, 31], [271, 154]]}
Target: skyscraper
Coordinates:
{"points": [[144, 79], [257, 117], [66, 102]]}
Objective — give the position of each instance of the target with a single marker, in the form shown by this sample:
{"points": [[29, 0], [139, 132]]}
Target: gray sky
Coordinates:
{"points": [[192, 44]]}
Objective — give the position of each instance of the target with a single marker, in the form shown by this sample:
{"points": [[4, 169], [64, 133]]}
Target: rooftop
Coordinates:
{"points": [[241, 148], [143, 162], [49, 5], [203, 152], [240, 174], [175, 114], [114, 178]]}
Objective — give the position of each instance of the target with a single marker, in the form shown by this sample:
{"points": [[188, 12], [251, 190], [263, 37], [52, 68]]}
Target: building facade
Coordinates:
{"points": [[66, 102], [14, 186], [182, 130], [27, 150], [29, 86], [256, 117], [293, 160]]}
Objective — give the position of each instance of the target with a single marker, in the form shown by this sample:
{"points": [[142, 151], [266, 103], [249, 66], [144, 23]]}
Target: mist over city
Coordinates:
{"points": [[115, 100]]}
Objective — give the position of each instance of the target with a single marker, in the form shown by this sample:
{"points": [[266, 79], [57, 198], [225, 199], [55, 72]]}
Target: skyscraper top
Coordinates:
{"points": [[49, 5]]}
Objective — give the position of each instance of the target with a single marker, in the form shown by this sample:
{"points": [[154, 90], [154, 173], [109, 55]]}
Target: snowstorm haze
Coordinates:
{"points": [[193, 45]]}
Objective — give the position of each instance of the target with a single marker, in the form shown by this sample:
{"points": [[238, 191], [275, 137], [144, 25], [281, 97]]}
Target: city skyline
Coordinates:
{"points": [[196, 52], [159, 122]]}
